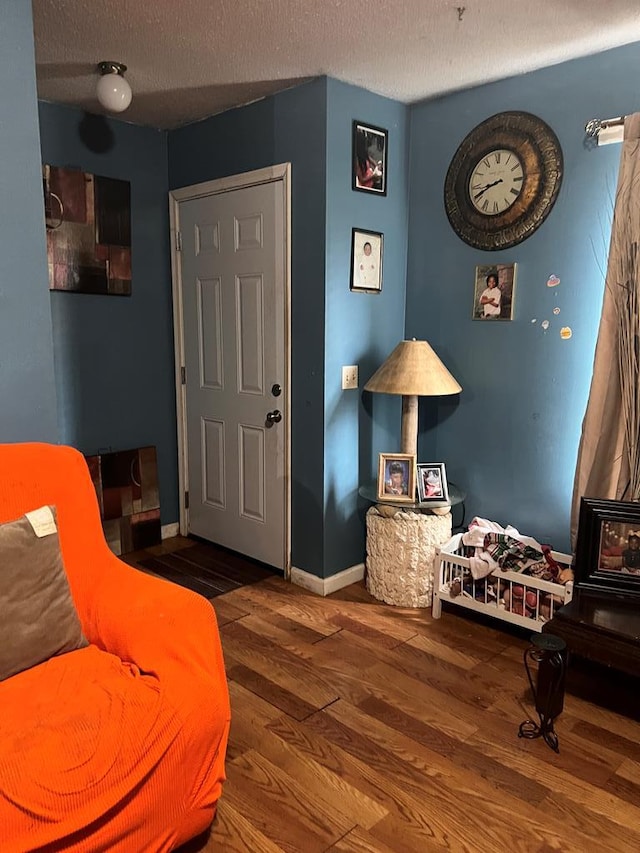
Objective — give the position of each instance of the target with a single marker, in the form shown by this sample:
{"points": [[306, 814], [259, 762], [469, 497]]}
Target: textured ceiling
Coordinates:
{"points": [[189, 59]]}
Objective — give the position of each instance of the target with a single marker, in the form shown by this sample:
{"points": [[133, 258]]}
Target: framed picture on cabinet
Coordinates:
{"points": [[608, 546]]}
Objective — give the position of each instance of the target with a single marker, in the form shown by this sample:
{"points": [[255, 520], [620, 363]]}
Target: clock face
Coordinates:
{"points": [[503, 180], [496, 182]]}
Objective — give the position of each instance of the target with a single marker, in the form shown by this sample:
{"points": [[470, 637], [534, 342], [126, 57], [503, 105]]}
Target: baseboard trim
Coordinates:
{"points": [[168, 531], [326, 586]]}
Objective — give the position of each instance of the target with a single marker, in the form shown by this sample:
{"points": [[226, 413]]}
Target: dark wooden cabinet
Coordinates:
{"points": [[601, 627]]}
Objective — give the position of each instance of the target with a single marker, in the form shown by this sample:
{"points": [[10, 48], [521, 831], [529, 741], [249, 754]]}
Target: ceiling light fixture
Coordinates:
{"points": [[113, 91]]}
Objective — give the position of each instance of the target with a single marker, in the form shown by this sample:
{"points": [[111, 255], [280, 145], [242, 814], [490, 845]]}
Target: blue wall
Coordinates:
{"points": [[360, 328], [288, 127], [27, 389], [114, 370], [334, 441], [511, 437], [300, 138]]}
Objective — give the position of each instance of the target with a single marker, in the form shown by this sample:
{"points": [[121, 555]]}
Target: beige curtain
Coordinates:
{"points": [[608, 464]]}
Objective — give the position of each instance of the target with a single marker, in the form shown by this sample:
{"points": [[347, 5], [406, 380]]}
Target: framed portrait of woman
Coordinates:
{"points": [[397, 477]]}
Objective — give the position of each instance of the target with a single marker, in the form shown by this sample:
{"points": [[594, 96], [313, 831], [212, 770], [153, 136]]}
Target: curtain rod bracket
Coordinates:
{"points": [[605, 130]]}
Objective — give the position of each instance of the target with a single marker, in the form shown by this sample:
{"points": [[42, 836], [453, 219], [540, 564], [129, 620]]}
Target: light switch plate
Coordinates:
{"points": [[349, 377]]}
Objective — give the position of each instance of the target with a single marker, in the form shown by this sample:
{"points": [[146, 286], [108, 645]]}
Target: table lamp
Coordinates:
{"points": [[413, 370]]}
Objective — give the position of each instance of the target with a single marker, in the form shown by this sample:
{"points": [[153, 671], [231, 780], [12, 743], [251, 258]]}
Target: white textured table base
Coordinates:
{"points": [[400, 553]]}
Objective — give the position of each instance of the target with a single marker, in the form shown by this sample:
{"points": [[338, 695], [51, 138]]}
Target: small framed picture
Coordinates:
{"points": [[432, 482], [494, 292], [366, 260], [369, 158], [397, 477]]}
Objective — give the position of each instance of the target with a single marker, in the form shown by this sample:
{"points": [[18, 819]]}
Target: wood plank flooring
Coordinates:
{"points": [[205, 568], [363, 728]]}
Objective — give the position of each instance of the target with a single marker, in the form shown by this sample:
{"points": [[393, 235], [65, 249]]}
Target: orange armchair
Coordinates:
{"points": [[118, 746]]}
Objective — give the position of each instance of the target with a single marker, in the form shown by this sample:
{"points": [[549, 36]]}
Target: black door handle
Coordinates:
{"points": [[274, 417]]}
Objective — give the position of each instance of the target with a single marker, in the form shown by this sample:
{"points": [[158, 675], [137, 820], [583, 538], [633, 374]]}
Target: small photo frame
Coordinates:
{"points": [[494, 292], [397, 477], [608, 546], [366, 260], [432, 482], [369, 158]]}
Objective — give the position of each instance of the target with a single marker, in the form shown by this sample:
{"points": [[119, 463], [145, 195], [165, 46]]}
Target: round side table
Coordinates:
{"points": [[402, 538]]}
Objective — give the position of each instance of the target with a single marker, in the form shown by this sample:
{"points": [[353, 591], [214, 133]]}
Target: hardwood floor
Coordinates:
{"points": [[360, 727]]}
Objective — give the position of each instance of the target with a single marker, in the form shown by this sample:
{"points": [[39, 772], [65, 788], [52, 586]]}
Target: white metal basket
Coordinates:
{"points": [[510, 596]]}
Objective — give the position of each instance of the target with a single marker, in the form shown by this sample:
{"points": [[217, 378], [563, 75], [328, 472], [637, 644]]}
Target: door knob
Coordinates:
{"points": [[274, 417]]}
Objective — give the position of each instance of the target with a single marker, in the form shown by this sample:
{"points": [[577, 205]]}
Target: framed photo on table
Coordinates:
{"points": [[608, 546], [366, 260], [397, 477], [432, 482], [369, 158]]}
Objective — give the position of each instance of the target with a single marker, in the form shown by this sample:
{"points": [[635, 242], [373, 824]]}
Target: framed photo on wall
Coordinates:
{"points": [[494, 292], [366, 260], [432, 482], [369, 158], [397, 477]]}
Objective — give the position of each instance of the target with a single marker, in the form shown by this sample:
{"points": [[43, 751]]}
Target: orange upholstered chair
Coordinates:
{"points": [[118, 746]]}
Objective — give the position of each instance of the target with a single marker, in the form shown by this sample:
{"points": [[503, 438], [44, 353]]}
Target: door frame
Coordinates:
{"points": [[280, 172]]}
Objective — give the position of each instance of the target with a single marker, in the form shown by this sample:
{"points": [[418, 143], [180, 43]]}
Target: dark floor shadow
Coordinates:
{"points": [[197, 844]]}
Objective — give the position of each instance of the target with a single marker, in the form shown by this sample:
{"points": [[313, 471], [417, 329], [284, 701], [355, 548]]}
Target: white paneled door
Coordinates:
{"points": [[233, 269]]}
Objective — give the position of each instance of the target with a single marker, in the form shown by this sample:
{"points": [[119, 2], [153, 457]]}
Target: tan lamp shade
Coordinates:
{"points": [[413, 370]]}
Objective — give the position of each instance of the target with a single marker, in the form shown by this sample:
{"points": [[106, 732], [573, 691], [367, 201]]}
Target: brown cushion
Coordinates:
{"points": [[38, 618]]}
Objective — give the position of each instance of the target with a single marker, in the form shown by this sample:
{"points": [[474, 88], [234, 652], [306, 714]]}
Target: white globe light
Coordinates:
{"points": [[113, 91]]}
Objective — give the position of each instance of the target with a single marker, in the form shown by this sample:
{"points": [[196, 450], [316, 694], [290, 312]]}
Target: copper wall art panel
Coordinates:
{"points": [[126, 483], [88, 220]]}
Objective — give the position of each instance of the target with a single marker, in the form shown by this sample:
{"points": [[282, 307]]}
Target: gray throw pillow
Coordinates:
{"points": [[38, 618]]}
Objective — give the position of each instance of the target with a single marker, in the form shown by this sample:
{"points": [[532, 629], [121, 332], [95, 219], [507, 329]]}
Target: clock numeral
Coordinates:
{"points": [[517, 166], [485, 204], [495, 206], [487, 163], [508, 160], [497, 155], [507, 202], [514, 191]]}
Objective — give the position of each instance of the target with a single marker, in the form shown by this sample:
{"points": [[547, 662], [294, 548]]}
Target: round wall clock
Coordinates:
{"points": [[503, 180]]}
